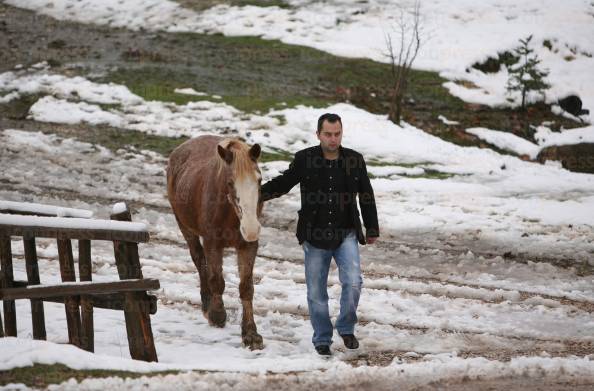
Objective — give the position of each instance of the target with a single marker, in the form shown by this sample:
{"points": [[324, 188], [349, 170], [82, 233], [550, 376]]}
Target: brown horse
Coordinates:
{"points": [[213, 185]]}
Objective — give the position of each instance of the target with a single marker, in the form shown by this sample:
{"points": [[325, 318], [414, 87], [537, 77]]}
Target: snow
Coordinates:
{"points": [[545, 137], [189, 91], [409, 375], [70, 222], [50, 109], [44, 209], [405, 143], [119, 207], [457, 33], [506, 141], [463, 301], [447, 121], [495, 187], [65, 87], [19, 352]]}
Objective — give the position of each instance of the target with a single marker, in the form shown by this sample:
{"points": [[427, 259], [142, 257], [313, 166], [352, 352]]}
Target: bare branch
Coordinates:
{"points": [[409, 27]]}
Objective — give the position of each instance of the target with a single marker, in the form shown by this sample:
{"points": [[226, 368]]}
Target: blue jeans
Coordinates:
{"points": [[317, 266]]}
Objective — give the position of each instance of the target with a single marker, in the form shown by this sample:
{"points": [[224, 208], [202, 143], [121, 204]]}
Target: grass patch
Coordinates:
{"points": [[380, 163], [108, 106], [256, 75], [275, 155], [157, 83], [260, 3], [41, 375], [18, 108], [428, 174], [114, 138], [433, 174], [493, 65]]}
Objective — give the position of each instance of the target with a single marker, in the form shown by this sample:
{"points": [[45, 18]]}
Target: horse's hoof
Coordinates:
{"points": [[217, 318], [253, 341]]}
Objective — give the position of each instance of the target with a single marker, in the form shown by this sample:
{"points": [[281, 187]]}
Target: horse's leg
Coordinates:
{"points": [[246, 254], [197, 253], [216, 314]]}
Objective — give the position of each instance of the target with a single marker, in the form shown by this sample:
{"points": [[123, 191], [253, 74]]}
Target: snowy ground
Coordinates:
{"points": [[479, 272], [426, 310], [488, 196]]}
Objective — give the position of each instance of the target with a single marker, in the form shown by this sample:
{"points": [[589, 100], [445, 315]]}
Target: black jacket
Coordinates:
{"points": [[305, 169]]}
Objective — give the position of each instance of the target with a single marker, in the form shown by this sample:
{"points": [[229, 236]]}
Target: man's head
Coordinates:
{"points": [[329, 132]]}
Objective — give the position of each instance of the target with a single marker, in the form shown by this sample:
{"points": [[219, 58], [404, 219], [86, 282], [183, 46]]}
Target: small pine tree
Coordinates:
{"points": [[524, 76]]}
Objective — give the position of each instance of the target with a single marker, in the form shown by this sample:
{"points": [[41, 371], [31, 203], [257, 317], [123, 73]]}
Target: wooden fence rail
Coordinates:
{"points": [[129, 294]]}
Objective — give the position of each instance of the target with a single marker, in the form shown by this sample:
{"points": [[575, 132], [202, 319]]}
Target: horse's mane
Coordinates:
{"points": [[242, 164]]}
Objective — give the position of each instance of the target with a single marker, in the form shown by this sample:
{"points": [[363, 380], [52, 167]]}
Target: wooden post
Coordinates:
{"points": [[86, 302], [1, 323], [70, 302], [10, 324], [37, 312], [1, 326], [136, 309]]}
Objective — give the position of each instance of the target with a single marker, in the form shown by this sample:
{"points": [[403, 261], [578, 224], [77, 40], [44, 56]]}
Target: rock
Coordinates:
{"points": [[573, 105], [576, 157]]}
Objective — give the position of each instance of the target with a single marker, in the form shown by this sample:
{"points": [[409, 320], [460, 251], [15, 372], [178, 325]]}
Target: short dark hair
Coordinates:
{"points": [[332, 118]]}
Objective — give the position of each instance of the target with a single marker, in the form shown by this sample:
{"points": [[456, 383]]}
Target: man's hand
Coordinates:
{"points": [[371, 240]]}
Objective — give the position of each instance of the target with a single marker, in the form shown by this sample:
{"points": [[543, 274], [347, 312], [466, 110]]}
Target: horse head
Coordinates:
{"points": [[243, 184]]}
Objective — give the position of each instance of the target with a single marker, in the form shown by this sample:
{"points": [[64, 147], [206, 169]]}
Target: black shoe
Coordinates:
{"points": [[350, 341], [323, 350]]}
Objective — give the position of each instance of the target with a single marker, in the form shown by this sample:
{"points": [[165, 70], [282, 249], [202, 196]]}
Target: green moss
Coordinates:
{"points": [[41, 375]]}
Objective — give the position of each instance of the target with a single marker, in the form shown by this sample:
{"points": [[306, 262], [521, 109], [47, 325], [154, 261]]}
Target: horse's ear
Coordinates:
{"points": [[255, 152], [225, 154]]}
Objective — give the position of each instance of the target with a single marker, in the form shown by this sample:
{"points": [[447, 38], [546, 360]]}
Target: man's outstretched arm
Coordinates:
{"points": [[283, 183], [367, 204]]}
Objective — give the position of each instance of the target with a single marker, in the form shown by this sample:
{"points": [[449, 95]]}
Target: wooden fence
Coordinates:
{"points": [[129, 294]]}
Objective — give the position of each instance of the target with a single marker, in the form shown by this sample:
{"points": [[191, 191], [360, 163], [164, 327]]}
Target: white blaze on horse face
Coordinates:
{"points": [[247, 190]]}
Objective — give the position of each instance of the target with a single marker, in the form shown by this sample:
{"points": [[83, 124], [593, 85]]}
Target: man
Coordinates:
{"points": [[330, 178]]}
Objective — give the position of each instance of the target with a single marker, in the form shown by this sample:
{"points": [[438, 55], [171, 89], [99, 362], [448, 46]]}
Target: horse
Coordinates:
{"points": [[213, 186]]}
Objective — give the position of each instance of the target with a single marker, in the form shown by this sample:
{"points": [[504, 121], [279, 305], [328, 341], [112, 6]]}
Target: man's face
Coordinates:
{"points": [[330, 136]]}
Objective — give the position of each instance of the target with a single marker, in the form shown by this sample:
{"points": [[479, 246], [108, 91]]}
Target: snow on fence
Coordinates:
{"points": [[27, 208], [128, 295]]}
